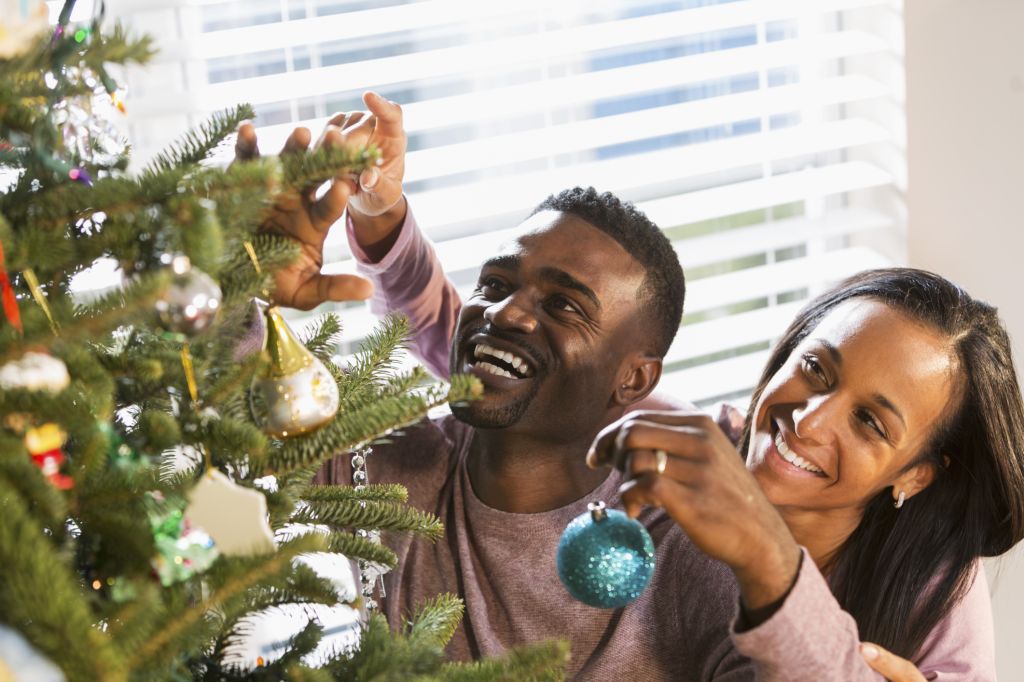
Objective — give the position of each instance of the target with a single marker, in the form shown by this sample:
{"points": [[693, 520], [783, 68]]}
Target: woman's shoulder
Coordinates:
{"points": [[962, 645]]}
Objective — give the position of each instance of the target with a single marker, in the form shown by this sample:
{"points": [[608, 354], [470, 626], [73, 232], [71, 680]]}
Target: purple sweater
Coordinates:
{"points": [[502, 564]]}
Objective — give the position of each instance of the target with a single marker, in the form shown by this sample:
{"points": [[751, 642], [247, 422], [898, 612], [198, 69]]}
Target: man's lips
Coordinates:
{"points": [[487, 356]]}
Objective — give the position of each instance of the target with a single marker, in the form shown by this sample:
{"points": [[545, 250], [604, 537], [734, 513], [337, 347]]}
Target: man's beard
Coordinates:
{"points": [[481, 416]]}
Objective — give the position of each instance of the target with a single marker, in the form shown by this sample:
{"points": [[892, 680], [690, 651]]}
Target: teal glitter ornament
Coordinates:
{"points": [[605, 559]]}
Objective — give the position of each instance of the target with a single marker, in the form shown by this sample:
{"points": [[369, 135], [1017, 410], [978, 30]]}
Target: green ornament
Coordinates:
{"points": [[182, 550]]}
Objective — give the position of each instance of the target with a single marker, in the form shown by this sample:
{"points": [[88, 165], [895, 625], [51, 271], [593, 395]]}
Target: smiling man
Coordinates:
{"points": [[566, 329]]}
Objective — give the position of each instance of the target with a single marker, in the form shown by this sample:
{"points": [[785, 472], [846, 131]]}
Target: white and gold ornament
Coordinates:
{"points": [[296, 393], [36, 372], [190, 303]]}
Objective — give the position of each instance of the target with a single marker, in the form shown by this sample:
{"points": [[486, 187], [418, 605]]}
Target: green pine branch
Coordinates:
{"points": [[42, 599], [545, 662], [322, 339], [437, 619], [390, 516], [197, 144], [376, 492]]}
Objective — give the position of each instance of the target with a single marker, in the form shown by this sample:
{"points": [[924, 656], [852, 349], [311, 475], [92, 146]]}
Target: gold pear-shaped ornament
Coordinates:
{"points": [[295, 393]]}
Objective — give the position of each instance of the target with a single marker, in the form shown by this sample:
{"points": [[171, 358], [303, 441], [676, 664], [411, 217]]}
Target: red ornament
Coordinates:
{"points": [[10, 303]]}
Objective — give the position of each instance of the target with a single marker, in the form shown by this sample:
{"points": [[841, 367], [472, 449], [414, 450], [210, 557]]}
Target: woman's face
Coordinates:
{"points": [[851, 409]]}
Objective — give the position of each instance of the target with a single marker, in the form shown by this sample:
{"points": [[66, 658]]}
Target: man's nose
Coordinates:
{"points": [[514, 313]]}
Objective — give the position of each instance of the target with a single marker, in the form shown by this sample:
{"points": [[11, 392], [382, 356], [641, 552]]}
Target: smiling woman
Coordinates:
{"points": [[887, 432], [903, 387]]}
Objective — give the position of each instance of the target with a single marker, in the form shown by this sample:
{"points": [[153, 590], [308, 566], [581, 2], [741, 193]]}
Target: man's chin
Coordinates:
{"points": [[482, 416]]}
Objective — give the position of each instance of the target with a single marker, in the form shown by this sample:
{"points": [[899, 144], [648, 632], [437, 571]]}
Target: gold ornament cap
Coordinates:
{"points": [[287, 354]]}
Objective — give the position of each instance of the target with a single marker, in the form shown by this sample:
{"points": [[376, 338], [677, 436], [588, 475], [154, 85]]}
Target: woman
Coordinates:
{"points": [[887, 430]]}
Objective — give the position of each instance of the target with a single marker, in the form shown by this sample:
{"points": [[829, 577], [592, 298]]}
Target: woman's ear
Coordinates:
{"points": [[914, 480], [637, 379]]}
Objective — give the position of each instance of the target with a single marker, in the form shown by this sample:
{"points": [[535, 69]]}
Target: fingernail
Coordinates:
{"points": [[870, 652], [373, 179]]}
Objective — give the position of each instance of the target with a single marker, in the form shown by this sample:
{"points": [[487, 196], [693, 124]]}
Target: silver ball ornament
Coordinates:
{"points": [[190, 302]]}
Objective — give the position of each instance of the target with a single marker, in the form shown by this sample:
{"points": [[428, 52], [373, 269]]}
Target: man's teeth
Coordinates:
{"points": [[795, 460], [521, 366]]}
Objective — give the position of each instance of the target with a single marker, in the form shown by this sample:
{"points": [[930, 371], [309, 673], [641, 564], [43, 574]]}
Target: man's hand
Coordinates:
{"points": [[307, 220], [701, 481], [894, 668], [376, 205]]}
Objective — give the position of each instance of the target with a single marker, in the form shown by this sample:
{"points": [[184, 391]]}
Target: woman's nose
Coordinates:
{"points": [[513, 313], [816, 421]]}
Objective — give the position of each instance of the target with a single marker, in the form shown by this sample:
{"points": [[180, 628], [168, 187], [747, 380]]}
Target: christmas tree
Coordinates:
{"points": [[156, 478]]}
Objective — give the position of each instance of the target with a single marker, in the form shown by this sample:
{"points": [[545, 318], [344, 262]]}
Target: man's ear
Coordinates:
{"points": [[914, 480], [639, 375]]}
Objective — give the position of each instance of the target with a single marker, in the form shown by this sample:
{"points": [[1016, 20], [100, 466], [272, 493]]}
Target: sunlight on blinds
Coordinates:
{"points": [[764, 137]]}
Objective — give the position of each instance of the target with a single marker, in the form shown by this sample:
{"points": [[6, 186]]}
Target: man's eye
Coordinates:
{"points": [[491, 287], [562, 303]]}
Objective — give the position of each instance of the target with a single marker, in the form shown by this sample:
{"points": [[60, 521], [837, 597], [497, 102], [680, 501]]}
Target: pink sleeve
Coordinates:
{"points": [[811, 638], [962, 645], [409, 279]]}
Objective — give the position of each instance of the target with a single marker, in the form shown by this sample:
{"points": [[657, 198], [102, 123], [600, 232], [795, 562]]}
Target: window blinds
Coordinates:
{"points": [[764, 136]]}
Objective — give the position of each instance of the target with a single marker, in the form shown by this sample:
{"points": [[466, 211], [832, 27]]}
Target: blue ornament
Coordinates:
{"points": [[605, 559]]}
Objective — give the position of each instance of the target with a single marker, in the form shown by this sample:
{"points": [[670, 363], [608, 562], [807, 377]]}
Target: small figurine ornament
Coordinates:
{"points": [[44, 443], [296, 393], [605, 559]]}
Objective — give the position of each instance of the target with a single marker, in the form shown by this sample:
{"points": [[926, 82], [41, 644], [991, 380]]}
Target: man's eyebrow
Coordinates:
{"points": [[879, 399], [506, 262], [567, 281]]}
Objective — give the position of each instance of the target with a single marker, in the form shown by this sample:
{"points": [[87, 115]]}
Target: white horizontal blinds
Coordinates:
{"points": [[744, 128]]}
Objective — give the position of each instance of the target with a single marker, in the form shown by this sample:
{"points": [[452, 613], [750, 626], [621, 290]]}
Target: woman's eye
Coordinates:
{"points": [[869, 420], [813, 367]]}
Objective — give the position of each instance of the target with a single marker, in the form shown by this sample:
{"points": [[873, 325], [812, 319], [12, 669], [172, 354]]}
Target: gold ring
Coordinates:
{"points": [[662, 461]]}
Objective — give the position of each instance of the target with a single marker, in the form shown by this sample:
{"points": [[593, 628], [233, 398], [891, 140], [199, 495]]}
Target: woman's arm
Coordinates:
{"points": [[805, 635]]}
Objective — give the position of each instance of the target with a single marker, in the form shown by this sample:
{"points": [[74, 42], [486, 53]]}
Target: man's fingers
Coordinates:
{"points": [[388, 113], [246, 147], [328, 208], [890, 665], [298, 141]]}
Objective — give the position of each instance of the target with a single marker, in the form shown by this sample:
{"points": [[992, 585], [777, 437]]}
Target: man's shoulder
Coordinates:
{"points": [[433, 443]]}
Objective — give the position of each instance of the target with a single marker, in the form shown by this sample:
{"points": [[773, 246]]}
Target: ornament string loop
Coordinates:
{"points": [[193, 393], [251, 250]]}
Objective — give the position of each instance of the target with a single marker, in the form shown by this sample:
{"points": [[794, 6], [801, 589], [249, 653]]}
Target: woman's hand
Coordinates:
{"points": [[894, 668], [705, 487], [306, 219]]}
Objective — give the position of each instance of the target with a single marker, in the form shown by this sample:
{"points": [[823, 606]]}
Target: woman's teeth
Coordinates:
{"points": [[795, 460]]}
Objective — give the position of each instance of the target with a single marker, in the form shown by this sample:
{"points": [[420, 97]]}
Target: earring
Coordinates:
{"points": [[900, 500]]}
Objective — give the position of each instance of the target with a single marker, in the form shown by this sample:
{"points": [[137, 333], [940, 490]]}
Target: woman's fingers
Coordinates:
{"points": [[890, 665]]}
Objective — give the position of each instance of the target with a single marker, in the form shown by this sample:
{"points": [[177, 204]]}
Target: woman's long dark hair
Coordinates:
{"points": [[902, 570]]}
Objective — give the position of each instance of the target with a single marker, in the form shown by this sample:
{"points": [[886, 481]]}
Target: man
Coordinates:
{"points": [[566, 329]]}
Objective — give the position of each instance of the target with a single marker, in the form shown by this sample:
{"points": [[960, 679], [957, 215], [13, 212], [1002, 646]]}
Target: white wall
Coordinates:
{"points": [[965, 137]]}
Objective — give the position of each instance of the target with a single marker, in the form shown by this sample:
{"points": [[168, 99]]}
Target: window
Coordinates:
{"points": [[764, 137]]}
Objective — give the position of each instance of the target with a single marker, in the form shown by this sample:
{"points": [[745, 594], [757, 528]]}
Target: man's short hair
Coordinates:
{"points": [[661, 294]]}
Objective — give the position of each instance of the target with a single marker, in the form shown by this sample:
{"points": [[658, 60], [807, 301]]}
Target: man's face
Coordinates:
{"points": [[548, 328]]}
